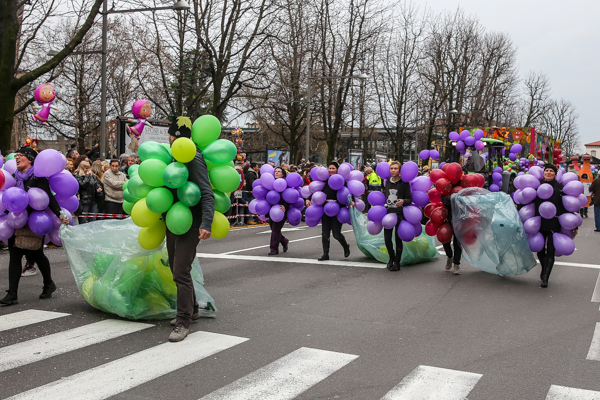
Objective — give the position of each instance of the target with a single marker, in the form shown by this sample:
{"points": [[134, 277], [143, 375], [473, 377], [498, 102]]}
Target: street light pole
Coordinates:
{"points": [[103, 84]]}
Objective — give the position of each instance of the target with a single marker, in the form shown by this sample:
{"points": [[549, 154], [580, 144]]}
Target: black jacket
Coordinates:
{"points": [[395, 191], [551, 225], [249, 178], [87, 188]]}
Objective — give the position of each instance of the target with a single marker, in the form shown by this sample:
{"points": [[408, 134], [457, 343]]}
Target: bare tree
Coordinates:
{"points": [[536, 98], [560, 122]]}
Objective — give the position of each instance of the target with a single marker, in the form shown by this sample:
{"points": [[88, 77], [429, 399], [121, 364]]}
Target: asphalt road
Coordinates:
{"points": [[289, 326]]}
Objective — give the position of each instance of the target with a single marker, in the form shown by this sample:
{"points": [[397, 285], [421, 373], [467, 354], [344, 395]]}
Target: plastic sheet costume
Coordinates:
{"points": [[488, 226], [116, 275]]}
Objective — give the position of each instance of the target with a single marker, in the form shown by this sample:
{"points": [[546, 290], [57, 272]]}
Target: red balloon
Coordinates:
{"points": [[437, 174], [430, 228], [429, 208], [539, 153], [469, 238], [454, 173], [555, 159], [444, 233], [445, 167], [470, 180], [435, 196], [439, 216], [2, 180], [443, 186], [557, 152], [456, 189], [481, 179]]}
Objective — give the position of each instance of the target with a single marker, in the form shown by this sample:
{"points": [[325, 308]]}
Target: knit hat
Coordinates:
{"points": [[28, 152], [181, 127], [552, 167], [336, 165]]}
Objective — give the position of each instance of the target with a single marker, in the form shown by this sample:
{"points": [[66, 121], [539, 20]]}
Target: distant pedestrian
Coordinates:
{"points": [[595, 193]]}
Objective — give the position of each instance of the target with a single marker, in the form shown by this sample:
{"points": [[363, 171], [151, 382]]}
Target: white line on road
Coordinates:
{"points": [[28, 317], [292, 260], [59, 343], [431, 383], [596, 295], [594, 352], [128, 372], [579, 265], [286, 377], [266, 245], [567, 393]]}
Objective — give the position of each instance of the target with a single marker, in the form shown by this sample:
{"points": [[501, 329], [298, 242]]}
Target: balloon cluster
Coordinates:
{"points": [[425, 154], [529, 187], [269, 191], [346, 182], [239, 142], [447, 181], [514, 150], [496, 179], [524, 164], [555, 155], [42, 221], [148, 193], [464, 140]]}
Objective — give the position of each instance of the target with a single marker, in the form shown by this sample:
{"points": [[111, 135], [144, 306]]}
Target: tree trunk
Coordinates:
{"points": [[7, 105]]}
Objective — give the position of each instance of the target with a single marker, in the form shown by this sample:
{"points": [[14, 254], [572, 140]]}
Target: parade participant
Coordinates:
{"points": [[397, 193], [182, 248], [113, 185], [329, 224], [453, 257], [25, 179], [276, 236], [595, 193]]}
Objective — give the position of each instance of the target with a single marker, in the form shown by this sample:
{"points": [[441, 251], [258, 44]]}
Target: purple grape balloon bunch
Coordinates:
{"points": [[14, 201], [529, 187], [425, 154], [496, 179], [514, 150], [269, 191], [465, 140], [346, 182], [409, 227]]}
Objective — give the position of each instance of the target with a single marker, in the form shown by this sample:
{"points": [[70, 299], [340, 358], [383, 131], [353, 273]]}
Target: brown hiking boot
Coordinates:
{"points": [[456, 269], [448, 264], [178, 334]]}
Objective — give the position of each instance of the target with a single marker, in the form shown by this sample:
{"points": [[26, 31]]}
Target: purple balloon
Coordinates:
{"points": [[420, 199], [38, 199], [10, 166], [418, 229], [478, 134], [48, 163], [314, 212], [259, 191], [294, 180], [356, 188], [55, 220], [563, 244], [470, 141], [252, 206], [390, 220], [312, 222], [318, 198], [423, 155], [336, 181], [17, 220], [267, 180], [545, 191], [6, 231], [290, 195], [527, 212], [434, 154], [299, 204], [262, 207], [422, 183], [70, 203], [567, 232], [273, 197], [322, 173], [409, 171], [571, 203], [406, 231], [266, 169], [497, 177], [497, 170], [293, 214], [305, 191], [515, 196], [460, 145], [15, 199], [536, 242], [356, 176], [276, 214], [574, 188], [583, 200], [331, 208], [527, 195], [579, 219], [316, 186], [494, 188], [537, 172], [454, 136], [547, 210], [516, 148], [568, 177], [54, 237], [512, 156], [40, 223], [342, 195], [344, 170], [383, 170], [412, 214], [360, 205], [344, 215], [64, 184], [280, 184], [349, 166], [9, 181], [532, 225], [376, 199], [255, 183], [66, 214], [464, 134], [568, 221], [376, 213], [313, 174], [479, 145], [529, 181], [374, 228]]}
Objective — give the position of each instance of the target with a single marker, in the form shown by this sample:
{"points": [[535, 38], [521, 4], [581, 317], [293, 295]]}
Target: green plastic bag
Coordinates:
{"points": [[421, 249], [116, 275]]}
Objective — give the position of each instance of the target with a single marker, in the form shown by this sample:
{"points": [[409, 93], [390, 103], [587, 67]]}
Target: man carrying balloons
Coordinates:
{"points": [[182, 247], [20, 244], [397, 194]]}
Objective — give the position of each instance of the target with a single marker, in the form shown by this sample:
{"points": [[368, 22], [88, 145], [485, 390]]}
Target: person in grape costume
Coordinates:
{"points": [[182, 248], [397, 193], [25, 179], [453, 257], [276, 236]]}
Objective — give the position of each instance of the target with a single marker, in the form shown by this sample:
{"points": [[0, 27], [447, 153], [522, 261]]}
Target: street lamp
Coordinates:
{"points": [[361, 76]]}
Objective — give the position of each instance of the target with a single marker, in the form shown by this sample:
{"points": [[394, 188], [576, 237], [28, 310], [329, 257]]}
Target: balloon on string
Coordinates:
{"points": [[322, 173], [376, 198], [294, 180], [276, 214], [536, 242], [15, 199], [344, 170], [376, 213], [424, 154], [516, 148], [290, 195], [336, 182], [314, 212], [331, 208], [356, 176], [38, 198], [390, 220], [409, 171], [465, 134], [273, 197], [355, 187], [479, 145], [454, 136], [383, 170], [470, 141], [494, 188], [512, 156], [342, 195], [532, 225], [460, 146], [478, 134], [547, 210], [374, 228], [420, 198], [316, 186]]}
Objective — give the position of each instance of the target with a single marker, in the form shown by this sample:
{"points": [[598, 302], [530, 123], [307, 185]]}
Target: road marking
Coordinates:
{"points": [[266, 245], [300, 228], [28, 317], [227, 256], [431, 383], [596, 295], [128, 372], [567, 393], [594, 352], [568, 264], [59, 343], [286, 377]]}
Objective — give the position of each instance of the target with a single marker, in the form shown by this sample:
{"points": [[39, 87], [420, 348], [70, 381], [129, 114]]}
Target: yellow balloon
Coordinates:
{"points": [[220, 226], [184, 150], [151, 237], [142, 216], [87, 288]]}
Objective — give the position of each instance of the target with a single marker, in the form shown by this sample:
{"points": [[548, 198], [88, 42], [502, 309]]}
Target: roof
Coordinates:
{"points": [[593, 143]]}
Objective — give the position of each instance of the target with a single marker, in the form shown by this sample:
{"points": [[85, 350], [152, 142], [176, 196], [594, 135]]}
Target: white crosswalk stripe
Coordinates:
{"points": [[567, 393], [24, 318], [59, 343], [431, 383], [594, 352], [286, 377]]}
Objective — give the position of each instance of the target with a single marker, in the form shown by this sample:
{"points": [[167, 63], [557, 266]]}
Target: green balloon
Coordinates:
{"points": [[167, 146], [210, 165], [205, 130], [179, 219], [220, 151], [101, 263], [154, 150], [151, 172], [133, 170], [138, 188], [224, 178], [125, 185], [175, 175], [159, 200], [11, 156], [129, 197], [189, 194], [222, 201], [127, 207]]}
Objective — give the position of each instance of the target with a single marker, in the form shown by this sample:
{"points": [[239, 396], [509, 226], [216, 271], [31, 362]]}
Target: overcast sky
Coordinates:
{"points": [[560, 38]]}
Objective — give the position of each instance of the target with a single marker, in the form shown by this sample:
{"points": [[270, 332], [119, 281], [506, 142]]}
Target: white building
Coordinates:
{"points": [[593, 149]]}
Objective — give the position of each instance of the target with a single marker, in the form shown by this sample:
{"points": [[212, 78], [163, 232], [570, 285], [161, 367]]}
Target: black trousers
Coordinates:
{"points": [[457, 250], [547, 253], [15, 266], [397, 255], [331, 225]]}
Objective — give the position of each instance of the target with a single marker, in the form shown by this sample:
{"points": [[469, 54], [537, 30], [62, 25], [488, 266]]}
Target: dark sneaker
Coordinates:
{"points": [[272, 253], [9, 299], [29, 270], [47, 291], [178, 334]]}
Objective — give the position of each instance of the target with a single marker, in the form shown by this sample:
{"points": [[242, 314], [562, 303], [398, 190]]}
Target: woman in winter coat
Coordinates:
{"points": [[88, 187], [397, 193]]}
